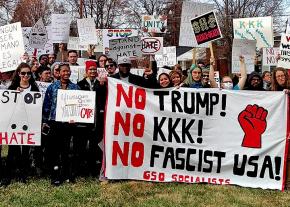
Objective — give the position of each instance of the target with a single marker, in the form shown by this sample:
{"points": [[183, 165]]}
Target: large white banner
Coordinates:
{"points": [[284, 60], [196, 136], [60, 27], [11, 47], [257, 28], [20, 122], [189, 11], [75, 105]]}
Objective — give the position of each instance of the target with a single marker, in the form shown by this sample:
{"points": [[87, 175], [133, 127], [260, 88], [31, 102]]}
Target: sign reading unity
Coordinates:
{"points": [[75, 105], [184, 136], [20, 122], [11, 47], [284, 60], [206, 28], [257, 28], [154, 23]]}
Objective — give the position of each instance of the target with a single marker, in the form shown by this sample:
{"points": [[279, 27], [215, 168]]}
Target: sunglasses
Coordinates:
{"points": [[205, 76], [111, 65], [26, 73]]}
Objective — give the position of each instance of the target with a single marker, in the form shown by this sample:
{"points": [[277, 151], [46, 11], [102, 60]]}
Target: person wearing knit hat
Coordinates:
{"points": [[255, 82], [193, 79]]}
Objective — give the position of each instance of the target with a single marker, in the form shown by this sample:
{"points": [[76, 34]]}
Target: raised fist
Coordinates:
{"points": [[253, 122]]}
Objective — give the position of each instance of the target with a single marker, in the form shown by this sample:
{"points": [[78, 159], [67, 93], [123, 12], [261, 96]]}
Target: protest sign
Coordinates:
{"points": [[270, 55], [137, 71], [152, 45], [168, 58], [21, 113], [256, 28], [77, 73], [74, 44], [246, 48], [42, 86], [154, 24], [11, 47], [75, 105], [48, 47], [184, 136], [87, 31], [60, 28], [217, 78], [102, 72], [38, 35], [284, 60], [206, 28], [189, 11], [130, 47], [288, 26]]}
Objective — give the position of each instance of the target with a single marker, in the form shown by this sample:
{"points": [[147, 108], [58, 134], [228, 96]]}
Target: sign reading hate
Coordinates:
{"points": [[11, 47], [155, 135], [152, 45], [21, 114], [206, 28]]}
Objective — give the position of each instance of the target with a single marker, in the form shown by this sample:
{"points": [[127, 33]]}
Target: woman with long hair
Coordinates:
{"points": [[280, 80]]}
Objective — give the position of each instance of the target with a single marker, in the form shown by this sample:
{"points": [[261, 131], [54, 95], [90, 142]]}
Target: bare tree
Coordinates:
{"points": [[6, 8]]}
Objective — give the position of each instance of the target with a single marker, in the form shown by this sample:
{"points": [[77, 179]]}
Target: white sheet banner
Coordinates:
{"points": [[75, 105], [11, 47], [196, 136], [257, 28], [270, 55], [284, 60], [60, 27], [20, 122]]}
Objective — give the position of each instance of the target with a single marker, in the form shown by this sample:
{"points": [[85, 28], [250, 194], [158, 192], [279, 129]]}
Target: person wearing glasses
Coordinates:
{"points": [[110, 66], [18, 162], [255, 82], [280, 80], [62, 161], [91, 134]]}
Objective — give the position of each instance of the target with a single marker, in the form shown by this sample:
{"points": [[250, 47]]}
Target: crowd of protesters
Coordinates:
{"points": [[78, 151]]}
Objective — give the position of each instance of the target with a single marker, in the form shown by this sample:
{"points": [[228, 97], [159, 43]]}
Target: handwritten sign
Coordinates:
{"points": [[284, 60], [87, 31], [152, 45], [75, 105], [60, 27], [20, 122], [11, 47], [246, 48], [77, 73], [42, 86], [74, 44], [155, 24], [38, 35], [191, 10], [102, 72], [206, 28], [270, 55], [257, 28], [168, 58], [129, 47]]}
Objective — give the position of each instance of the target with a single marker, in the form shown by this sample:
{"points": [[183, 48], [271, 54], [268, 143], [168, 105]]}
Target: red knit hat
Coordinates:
{"points": [[89, 64]]}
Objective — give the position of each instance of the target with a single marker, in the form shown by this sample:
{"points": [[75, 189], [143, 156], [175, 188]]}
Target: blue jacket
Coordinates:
{"points": [[49, 103]]}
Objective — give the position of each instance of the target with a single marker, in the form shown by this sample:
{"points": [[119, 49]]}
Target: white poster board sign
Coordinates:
{"points": [[168, 58], [11, 47], [21, 114], [75, 105], [256, 28], [154, 23], [77, 73], [246, 48], [74, 44], [38, 35], [42, 86], [284, 60], [87, 31], [270, 55], [189, 11], [60, 27]]}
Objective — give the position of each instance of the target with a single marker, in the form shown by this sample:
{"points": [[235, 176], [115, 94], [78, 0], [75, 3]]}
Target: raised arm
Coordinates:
{"points": [[243, 70], [213, 84]]}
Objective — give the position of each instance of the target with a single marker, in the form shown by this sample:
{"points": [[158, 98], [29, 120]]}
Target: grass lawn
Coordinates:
{"points": [[88, 192]]}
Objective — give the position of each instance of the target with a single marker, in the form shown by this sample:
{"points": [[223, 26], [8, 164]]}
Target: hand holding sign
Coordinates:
{"points": [[253, 122]]}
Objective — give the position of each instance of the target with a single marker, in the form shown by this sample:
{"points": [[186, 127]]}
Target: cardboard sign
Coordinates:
{"points": [[42, 86], [284, 60], [155, 24], [60, 27], [75, 105], [38, 35], [87, 31], [152, 45], [77, 73], [11, 47], [48, 47], [74, 44], [257, 28], [168, 58], [246, 48], [191, 10], [206, 28], [270, 55], [111, 34], [20, 122], [196, 136], [129, 47]]}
